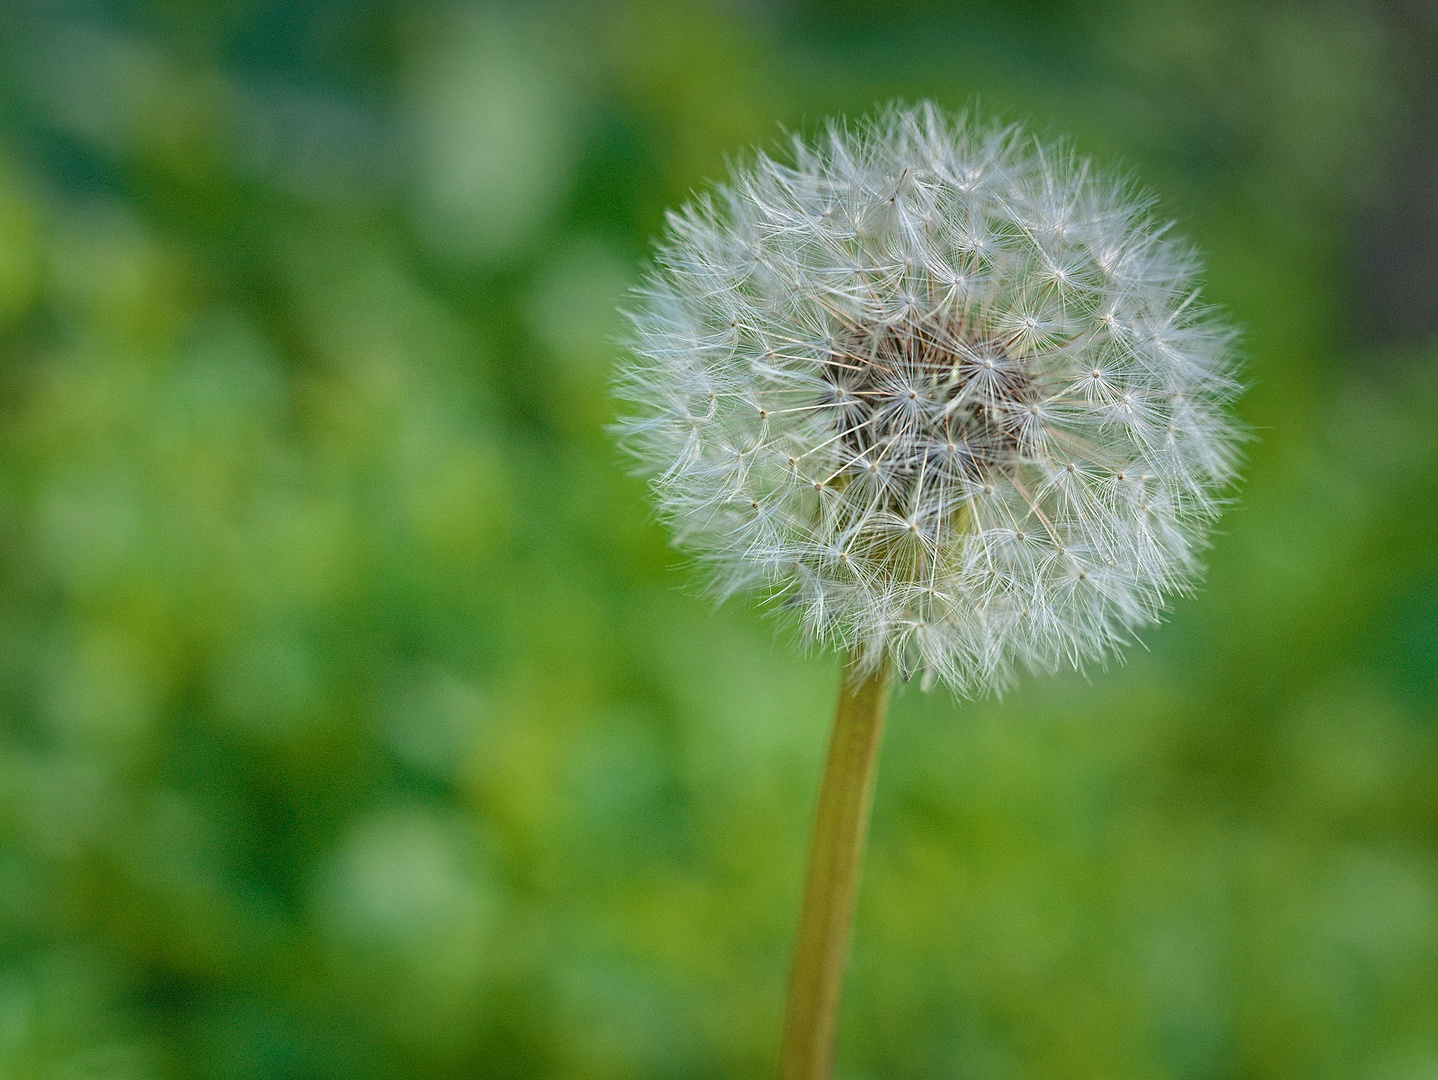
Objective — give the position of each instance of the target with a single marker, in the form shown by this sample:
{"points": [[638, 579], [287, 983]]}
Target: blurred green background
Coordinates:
{"points": [[356, 721]]}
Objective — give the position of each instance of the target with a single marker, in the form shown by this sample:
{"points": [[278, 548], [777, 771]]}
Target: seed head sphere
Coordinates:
{"points": [[937, 389]]}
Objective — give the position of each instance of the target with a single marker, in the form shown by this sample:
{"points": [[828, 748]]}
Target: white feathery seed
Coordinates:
{"points": [[938, 389]]}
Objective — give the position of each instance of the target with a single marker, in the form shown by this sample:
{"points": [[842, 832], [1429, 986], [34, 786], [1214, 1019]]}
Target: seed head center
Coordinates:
{"points": [[923, 404]]}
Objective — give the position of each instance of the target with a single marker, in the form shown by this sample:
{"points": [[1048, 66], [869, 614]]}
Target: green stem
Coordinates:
{"points": [[812, 1012]]}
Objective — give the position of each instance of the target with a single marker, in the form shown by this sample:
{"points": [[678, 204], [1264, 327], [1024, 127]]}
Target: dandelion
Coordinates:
{"points": [[949, 398]]}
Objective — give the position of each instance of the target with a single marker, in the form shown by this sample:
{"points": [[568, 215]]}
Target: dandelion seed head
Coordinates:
{"points": [[938, 390]]}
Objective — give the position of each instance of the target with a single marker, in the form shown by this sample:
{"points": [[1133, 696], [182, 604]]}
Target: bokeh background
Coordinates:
{"points": [[356, 720]]}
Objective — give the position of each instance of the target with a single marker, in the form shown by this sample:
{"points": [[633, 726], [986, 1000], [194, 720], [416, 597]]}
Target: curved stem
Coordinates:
{"points": [[821, 947]]}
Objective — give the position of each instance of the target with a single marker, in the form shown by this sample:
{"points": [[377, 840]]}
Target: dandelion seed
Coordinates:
{"points": [[930, 312]]}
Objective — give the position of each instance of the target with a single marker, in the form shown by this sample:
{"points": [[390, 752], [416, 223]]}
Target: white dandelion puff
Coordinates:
{"points": [[938, 389]]}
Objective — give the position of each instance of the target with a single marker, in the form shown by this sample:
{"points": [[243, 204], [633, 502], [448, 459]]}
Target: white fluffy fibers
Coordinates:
{"points": [[939, 390]]}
